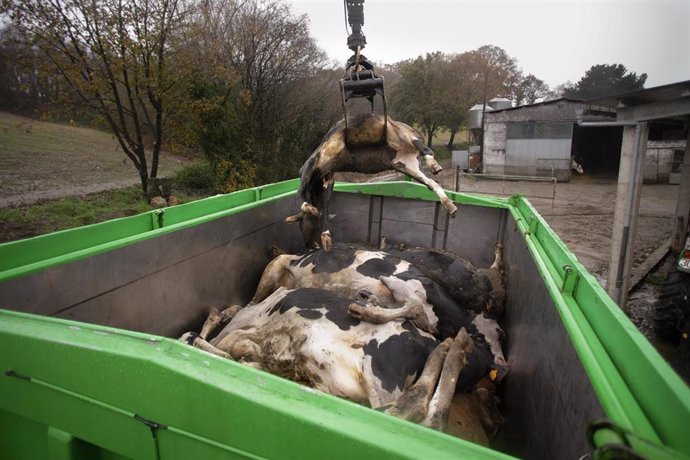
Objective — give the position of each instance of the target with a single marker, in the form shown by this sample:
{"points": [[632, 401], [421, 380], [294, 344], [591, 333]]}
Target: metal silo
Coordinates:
{"points": [[500, 103], [474, 116]]}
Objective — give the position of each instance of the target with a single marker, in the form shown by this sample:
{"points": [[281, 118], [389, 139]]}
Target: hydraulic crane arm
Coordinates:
{"points": [[360, 78], [355, 16]]}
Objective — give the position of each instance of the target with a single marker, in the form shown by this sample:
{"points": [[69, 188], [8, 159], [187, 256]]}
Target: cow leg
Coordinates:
{"points": [[498, 258], [428, 156], [294, 218], [456, 359], [326, 239], [275, 275], [210, 324], [413, 404], [241, 346], [432, 164], [494, 273], [409, 165], [305, 209], [193, 339], [378, 315], [216, 319]]}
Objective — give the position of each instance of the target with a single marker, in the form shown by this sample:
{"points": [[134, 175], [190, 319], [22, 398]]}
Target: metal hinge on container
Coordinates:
{"points": [[570, 279], [157, 218], [153, 426]]}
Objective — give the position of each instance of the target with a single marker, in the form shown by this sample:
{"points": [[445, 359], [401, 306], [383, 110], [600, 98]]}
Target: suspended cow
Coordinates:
{"points": [[369, 144]]}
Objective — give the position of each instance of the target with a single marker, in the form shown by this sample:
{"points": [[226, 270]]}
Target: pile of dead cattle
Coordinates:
{"points": [[409, 331]]}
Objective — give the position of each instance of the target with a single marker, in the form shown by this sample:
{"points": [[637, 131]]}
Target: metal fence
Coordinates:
{"points": [[506, 185]]}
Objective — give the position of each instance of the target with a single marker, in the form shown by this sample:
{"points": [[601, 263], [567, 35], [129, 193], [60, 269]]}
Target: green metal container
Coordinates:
{"points": [[91, 368]]}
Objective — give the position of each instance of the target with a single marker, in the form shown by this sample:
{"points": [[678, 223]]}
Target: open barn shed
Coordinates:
{"points": [[541, 140], [646, 115]]}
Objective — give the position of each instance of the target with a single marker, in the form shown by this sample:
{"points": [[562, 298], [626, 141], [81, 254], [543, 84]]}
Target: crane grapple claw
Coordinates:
{"points": [[362, 84], [360, 79]]}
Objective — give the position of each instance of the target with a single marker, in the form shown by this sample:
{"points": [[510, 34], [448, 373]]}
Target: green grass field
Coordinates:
{"points": [[50, 216]]}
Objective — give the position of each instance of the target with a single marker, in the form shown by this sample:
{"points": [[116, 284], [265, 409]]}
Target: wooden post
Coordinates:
{"points": [[683, 203], [626, 213]]}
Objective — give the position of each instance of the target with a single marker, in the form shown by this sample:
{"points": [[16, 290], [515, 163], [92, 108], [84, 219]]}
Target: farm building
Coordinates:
{"points": [[663, 160], [541, 140]]}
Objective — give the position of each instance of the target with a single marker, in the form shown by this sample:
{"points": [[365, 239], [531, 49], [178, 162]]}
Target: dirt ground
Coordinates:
{"points": [[581, 213]]}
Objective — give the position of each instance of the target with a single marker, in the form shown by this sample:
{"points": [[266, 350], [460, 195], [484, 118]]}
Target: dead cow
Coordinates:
{"points": [[481, 290], [394, 289], [359, 147], [307, 335]]}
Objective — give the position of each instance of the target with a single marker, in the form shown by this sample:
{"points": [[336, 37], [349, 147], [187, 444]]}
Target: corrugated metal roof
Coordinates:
{"points": [[662, 93], [553, 101]]}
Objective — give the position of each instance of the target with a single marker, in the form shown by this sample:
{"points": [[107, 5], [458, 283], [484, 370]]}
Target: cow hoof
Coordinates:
{"points": [[327, 180], [421, 320], [229, 313], [326, 241], [432, 164], [188, 338], [355, 310], [276, 251], [296, 218], [309, 209]]}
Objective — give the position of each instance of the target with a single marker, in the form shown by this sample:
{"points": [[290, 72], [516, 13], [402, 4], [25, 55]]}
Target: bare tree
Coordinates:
{"points": [[114, 55], [271, 84]]}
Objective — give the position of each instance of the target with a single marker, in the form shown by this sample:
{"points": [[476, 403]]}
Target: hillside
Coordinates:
{"points": [[40, 160]]}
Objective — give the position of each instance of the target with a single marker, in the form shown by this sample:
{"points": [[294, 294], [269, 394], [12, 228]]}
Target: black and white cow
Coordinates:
{"points": [[477, 289], [308, 336], [394, 289]]}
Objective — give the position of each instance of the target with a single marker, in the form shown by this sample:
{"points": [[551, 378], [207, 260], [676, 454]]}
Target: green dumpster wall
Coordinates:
{"points": [[76, 389]]}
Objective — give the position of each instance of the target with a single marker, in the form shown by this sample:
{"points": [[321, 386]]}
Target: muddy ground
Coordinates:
{"points": [[581, 213]]}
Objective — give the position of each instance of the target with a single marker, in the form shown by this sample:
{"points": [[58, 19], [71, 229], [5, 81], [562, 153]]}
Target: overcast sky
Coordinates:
{"points": [[555, 40]]}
